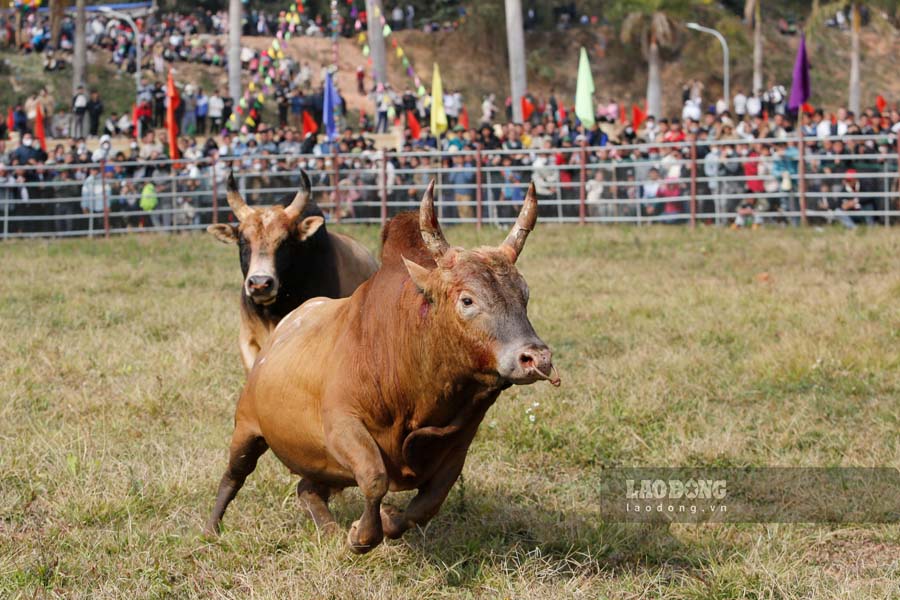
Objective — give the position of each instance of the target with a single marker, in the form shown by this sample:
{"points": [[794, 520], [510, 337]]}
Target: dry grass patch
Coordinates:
{"points": [[119, 371]]}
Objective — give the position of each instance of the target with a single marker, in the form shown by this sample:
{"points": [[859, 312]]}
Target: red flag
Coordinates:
{"points": [[807, 108], [171, 125], [39, 127], [413, 123], [134, 121], [309, 124], [464, 118], [10, 120], [638, 117], [562, 114], [880, 103], [527, 108]]}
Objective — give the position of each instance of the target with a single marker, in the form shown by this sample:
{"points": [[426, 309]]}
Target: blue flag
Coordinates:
{"points": [[330, 104]]}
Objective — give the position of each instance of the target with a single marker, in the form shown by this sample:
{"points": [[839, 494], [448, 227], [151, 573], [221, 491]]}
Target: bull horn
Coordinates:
{"points": [[429, 227], [515, 240], [237, 204], [295, 208]]}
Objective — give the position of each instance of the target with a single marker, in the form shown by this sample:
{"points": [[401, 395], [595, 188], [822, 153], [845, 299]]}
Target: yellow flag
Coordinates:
{"points": [[438, 116]]}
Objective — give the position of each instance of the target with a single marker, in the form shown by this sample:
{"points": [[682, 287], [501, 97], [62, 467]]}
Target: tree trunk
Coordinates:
{"points": [[376, 41], [515, 42], [57, 12], [234, 49], [654, 81], [757, 48], [79, 60], [854, 103]]}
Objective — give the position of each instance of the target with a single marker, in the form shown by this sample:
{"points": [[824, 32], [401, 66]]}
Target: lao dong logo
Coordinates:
{"points": [[675, 489]]}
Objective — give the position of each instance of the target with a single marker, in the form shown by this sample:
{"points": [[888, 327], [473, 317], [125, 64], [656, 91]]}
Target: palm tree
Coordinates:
{"points": [[515, 39], [57, 11], [651, 30], [854, 103], [376, 42], [79, 60], [235, 18], [753, 14]]}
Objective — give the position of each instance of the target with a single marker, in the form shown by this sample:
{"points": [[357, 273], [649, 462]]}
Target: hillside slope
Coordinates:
{"points": [[476, 64]]}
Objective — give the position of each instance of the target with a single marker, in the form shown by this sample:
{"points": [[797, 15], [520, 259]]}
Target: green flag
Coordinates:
{"points": [[584, 92]]}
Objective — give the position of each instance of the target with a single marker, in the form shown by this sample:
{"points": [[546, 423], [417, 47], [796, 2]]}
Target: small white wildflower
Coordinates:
{"points": [[532, 418]]}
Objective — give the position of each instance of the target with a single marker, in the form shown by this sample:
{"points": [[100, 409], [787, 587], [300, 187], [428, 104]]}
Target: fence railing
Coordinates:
{"points": [[794, 181]]}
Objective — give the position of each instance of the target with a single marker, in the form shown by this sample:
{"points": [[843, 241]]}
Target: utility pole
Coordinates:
{"points": [[515, 41]]}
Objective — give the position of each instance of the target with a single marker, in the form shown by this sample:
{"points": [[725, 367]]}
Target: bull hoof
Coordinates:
{"points": [[211, 531], [392, 522], [359, 546]]}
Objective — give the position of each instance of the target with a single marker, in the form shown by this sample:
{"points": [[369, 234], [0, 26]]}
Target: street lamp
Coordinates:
{"points": [[137, 42], [725, 65]]}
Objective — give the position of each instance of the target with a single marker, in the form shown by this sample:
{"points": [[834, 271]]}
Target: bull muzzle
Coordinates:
{"points": [[262, 289], [530, 363]]}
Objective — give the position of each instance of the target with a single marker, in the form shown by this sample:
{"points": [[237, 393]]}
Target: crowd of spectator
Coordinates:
{"points": [[746, 166], [747, 152]]}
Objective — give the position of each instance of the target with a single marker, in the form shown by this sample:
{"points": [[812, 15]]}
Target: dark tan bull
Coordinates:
{"points": [[287, 257], [385, 390]]}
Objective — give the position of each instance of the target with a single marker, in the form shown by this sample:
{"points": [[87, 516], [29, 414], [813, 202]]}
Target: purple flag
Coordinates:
{"points": [[800, 91]]}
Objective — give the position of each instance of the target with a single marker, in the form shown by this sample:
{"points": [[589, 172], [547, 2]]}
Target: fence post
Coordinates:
{"points": [[105, 199], [891, 199], [801, 172], [383, 187], [693, 183], [6, 218], [335, 176], [478, 197], [215, 193], [582, 185]]}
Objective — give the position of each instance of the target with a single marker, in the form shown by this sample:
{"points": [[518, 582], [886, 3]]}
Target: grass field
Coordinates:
{"points": [[119, 373]]}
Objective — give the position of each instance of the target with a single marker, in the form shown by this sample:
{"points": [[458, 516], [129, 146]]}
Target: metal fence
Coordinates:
{"points": [[850, 180]]}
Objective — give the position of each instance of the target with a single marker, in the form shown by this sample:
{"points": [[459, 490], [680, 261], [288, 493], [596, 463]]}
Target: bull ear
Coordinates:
{"points": [[418, 274], [309, 226], [225, 233]]}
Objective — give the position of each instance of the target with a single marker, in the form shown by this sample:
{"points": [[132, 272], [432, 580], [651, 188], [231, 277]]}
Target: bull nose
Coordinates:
{"points": [[258, 284], [538, 358]]}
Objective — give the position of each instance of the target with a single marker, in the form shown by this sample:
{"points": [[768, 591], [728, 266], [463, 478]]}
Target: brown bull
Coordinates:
{"points": [[287, 257], [386, 389]]}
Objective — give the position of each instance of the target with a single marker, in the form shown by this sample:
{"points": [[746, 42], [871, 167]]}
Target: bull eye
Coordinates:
{"points": [[467, 301]]}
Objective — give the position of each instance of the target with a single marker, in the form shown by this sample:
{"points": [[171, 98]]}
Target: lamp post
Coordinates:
{"points": [[137, 42], [725, 62]]}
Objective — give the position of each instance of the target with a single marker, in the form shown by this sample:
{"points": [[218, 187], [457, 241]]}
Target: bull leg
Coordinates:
{"points": [[246, 448], [427, 502], [352, 445], [314, 499], [248, 343]]}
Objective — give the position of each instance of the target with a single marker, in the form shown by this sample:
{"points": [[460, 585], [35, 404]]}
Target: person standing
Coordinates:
{"points": [[227, 107], [159, 105], [93, 191], [94, 110], [202, 111], [216, 108], [361, 80], [79, 110]]}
